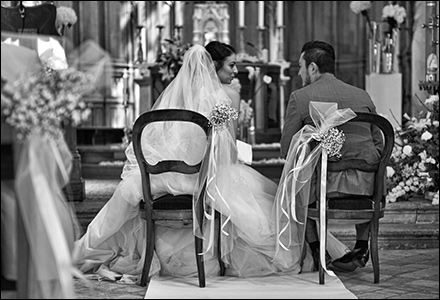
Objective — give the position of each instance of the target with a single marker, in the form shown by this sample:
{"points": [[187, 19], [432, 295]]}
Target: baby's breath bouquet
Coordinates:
{"points": [[414, 163], [221, 116], [331, 140], [40, 102]]}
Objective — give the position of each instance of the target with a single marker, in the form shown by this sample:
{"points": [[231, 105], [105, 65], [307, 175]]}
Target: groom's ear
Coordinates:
{"points": [[313, 67], [216, 65]]}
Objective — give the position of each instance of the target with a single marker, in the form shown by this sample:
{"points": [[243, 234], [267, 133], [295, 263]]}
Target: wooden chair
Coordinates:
{"points": [[357, 208], [169, 207]]}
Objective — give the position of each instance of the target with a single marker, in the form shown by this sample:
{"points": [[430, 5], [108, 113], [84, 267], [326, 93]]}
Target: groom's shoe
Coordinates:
{"points": [[352, 260]]}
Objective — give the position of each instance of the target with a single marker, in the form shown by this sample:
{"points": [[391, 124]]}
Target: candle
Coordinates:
{"points": [[159, 13], [179, 13], [261, 14], [241, 13], [280, 15], [140, 12]]}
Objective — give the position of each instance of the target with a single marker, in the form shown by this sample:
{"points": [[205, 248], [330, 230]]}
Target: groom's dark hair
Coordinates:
{"points": [[219, 51], [320, 53]]}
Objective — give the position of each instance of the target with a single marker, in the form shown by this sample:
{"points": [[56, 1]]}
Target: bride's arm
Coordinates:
{"points": [[235, 98]]}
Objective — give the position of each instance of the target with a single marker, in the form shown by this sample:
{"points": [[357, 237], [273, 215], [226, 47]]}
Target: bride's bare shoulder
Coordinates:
{"points": [[233, 95]]}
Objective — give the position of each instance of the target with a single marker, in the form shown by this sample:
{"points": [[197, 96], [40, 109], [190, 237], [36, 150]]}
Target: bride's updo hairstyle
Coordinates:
{"points": [[219, 51]]}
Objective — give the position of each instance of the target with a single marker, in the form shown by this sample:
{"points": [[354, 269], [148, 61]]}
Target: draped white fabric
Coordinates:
{"points": [[43, 169], [292, 198]]}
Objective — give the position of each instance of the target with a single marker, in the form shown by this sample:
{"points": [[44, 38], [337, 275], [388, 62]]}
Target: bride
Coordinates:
{"points": [[114, 243]]}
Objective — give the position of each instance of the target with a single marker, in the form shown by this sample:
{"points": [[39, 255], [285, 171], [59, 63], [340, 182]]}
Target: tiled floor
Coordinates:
{"points": [[405, 274]]}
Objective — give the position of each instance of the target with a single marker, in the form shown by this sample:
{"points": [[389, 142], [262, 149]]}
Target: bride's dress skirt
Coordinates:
{"points": [[114, 243]]}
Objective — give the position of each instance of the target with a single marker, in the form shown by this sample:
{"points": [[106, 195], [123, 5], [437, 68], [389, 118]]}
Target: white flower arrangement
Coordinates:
{"points": [[221, 116], [331, 140], [66, 16], [40, 102], [396, 12], [414, 163], [246, 112], [360, 6], [394, 15]]}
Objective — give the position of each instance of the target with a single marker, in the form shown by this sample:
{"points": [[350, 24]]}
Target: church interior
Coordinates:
{"points": [[139, 47]]}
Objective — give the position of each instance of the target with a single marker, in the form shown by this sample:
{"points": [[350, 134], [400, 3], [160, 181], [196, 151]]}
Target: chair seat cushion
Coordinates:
{"points": [[352, 203], [171, 202], [355, 207]]}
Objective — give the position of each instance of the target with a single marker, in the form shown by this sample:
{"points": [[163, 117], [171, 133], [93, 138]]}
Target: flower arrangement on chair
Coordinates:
{"points": [[414, 163], [221, 116], [40, 102]]}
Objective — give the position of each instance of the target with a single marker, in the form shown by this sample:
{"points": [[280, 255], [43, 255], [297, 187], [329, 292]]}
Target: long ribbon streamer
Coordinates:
{"points": [[44, 197], [322, 213], [212, 170], [292, 177]]}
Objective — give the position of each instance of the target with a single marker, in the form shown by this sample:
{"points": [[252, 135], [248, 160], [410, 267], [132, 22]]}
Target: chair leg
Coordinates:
{"points": [[145, 279], [375, 249], [321, 274], [219, 245], [199, 260]]}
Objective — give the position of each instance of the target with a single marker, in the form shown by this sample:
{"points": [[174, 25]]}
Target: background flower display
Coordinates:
{"points": [[414, 163], [394, 15], [362, 7], [246, 128], [245, 113], [170, 61], [383, 36], [66, 16]]}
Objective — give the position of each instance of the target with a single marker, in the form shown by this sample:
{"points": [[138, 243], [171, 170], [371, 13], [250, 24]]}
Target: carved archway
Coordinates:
{"points": [[211, 22]]}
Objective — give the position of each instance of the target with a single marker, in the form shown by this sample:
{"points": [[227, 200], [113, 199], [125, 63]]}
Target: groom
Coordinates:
{"points": [[317, 69]]}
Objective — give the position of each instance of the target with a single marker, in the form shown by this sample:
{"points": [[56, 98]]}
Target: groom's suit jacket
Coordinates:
{"points": [[361, 140]]}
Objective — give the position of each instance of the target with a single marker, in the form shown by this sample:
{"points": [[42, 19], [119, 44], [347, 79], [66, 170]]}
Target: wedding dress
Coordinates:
{"points": [[114, 243]]}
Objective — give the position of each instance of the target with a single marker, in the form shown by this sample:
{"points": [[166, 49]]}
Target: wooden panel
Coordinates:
{"points": [[327, 21]]}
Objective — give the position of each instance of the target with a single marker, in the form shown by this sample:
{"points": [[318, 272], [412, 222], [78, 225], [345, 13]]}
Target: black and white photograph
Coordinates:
{"points": [[220, 149]]}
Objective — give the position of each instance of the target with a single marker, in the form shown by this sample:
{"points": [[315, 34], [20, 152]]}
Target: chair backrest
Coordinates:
{"points": [[38, 19], [179, 166], [378, 167], [354, 206]]}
